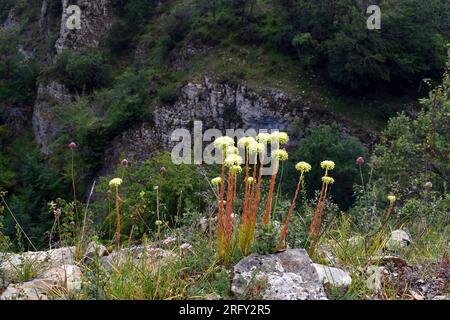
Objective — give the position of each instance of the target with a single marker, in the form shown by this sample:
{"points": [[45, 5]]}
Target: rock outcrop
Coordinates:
{"points": [[222, 106], [289, 275], [56, 281], [95, 20], [45, 124]]}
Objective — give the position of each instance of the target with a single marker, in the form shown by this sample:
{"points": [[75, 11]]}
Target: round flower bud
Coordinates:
{"points": [[392, 199], [72, 145], [360, 161]]}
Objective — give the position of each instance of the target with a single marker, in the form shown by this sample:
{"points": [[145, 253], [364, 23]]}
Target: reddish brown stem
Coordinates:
{"points": [[291, 210]]}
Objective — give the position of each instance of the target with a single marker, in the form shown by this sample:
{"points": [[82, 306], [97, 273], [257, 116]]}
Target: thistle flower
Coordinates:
{"points": [[232, 150], [256, 147], [216, 181], [280, 137], [327, 165], [115, 183], [280, 154], [250, 180], [233, 160], [392, 199], [72, 146], [162, 170], [303, 167], [246, 142], [223, 142], [327, 180], [263, 137], [125, 162], [236, 169], [360, 161]]}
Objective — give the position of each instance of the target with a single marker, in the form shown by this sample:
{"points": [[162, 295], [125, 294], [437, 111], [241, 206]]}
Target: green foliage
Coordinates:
{"points": [[17, 73], [37, 182], [168, 94], [415, 151], [82, 71], [327, 142], [410, 44], [149, 195]]}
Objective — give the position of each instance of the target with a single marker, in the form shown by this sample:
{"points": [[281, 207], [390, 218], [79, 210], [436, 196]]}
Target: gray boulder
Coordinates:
{"points": [[289, 275]]}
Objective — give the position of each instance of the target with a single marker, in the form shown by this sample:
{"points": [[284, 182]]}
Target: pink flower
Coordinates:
{"points": [[360, 161], [125, 162], [162, 170], [72, 145]]}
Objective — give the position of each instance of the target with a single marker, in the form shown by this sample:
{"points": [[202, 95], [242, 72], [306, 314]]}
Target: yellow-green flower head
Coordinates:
{"points": [[223, 142], [280, 154], [233, 160], [245, 142], [280, 137], [256, 147], [327, 180], [236, 169], [392, 199], [158, 222], [250, 180], [263, 137], [232, 150], [303, 167], [115, 183], [327, 165], [216, 181]]}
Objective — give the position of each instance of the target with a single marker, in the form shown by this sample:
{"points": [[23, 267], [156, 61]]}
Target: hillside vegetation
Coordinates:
{"points": [[384, 95]]}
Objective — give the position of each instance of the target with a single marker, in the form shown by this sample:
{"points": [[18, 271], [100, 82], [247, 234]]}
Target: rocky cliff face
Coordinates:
{"points": [[221, 106], [45, 126], [95, 21]]}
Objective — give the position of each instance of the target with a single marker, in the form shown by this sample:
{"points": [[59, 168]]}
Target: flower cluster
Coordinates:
{"points": [[223, 142], [246, 142], [279, 137], [303, 167], [280, 154], [115, 183], [327, 180], [216, 181], [327, 165], [233, 160]]}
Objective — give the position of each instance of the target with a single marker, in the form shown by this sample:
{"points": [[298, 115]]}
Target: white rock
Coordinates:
{"points": [[398, 239], [333, 276]]}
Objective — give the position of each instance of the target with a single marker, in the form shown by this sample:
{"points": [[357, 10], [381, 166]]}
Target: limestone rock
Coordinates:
{"points": [[95, 250], [51, 282], [95, 20], [41, 260], [289, 275], [399, 239], [333, 276], [151, 256], [45, 125]]}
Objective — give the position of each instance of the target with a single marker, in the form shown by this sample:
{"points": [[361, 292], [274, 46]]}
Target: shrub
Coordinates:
{"points": [[149, 194], [328, 142], [168, 94], [81, 71]]}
